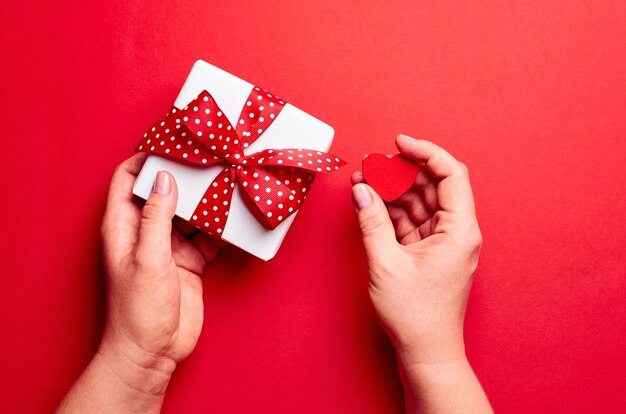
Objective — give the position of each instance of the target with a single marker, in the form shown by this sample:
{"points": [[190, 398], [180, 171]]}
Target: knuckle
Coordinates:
{"points": [[478, 239], [464, 168], [370, 225], [139, 260], [118, 170], [150, 212]]}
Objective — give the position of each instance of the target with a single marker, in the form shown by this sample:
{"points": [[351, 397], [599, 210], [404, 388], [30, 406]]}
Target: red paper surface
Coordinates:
{"points": [[531, 96]]}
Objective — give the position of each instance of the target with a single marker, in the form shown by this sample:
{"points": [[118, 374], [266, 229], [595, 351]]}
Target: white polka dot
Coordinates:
{"points": [[268, 190], [269, 214], [184, 155], [257, 198], [269, 202]]}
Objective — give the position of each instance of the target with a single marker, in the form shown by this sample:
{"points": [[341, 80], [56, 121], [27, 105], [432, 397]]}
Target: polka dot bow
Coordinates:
{"points": [[273, 182]]}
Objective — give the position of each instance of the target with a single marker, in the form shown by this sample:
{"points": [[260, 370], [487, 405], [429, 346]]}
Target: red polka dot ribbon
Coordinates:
{"points": [[274, 182]]}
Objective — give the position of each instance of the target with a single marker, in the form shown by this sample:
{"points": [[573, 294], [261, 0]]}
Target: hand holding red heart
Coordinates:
{"points": [[422, 250]]}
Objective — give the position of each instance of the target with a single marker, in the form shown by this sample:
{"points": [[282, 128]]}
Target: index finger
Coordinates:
{"points": [[123, 179], [454, 192]]}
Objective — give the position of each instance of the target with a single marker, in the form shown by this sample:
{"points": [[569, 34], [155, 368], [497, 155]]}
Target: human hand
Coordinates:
{"points": [[422, 251], [154, 291]]}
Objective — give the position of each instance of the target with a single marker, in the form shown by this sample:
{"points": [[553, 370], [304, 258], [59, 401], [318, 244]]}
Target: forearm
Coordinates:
{"points": [[113, 383], [444, 387]]}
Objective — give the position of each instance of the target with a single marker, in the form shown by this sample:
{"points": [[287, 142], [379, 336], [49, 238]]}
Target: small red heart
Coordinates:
{"points": [[390, 176]]}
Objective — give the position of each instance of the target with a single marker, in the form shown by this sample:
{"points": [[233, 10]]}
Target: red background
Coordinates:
{"points": [[531, 95]]}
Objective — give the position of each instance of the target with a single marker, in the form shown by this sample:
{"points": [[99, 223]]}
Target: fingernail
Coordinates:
{"points": [[162, 183], [361, 196]]}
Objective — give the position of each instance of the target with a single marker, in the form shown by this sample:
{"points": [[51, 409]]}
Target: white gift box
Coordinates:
{"points": [[292, 128]]}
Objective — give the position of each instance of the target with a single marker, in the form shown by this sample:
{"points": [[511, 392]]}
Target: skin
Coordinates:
{"points": [[422, 251], [154, 299]]}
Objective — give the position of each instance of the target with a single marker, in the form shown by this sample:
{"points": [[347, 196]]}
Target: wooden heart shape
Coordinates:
{"points": [[390, 176]]}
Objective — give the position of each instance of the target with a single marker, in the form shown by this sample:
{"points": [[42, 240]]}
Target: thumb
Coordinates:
{"points": [[376, 227], [155, 231]]}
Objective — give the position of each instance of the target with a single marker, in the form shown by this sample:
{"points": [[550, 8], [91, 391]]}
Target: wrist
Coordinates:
{"points": [[437, 348], [143, 373]]}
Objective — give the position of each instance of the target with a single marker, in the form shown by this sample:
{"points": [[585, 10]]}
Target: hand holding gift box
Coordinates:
{"points": [[243, 159]]}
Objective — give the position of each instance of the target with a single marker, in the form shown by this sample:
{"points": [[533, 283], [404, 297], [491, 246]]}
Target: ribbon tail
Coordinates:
{"points": [[211, 214]]}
